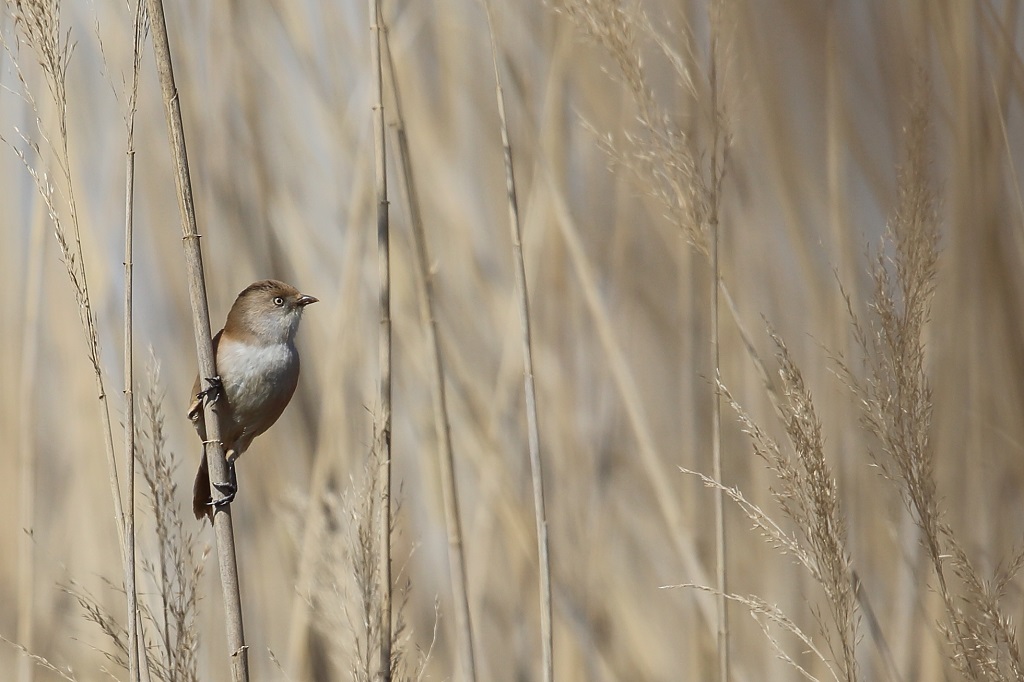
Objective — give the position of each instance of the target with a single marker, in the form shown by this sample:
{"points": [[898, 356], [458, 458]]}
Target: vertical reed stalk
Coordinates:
{"points": [[442, 428], [237, 650], [136, 644], [383, 438], [721, 585], [129, 419], [533, 430]]}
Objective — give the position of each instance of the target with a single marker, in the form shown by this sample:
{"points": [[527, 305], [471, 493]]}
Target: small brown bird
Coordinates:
{"points": [[258, 369]]}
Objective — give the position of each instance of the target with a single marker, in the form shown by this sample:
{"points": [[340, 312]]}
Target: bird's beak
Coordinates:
{"points": [[304, 300]]}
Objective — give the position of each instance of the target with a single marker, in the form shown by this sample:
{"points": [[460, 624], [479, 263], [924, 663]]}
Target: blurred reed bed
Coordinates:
{"points": [[817, 99]]}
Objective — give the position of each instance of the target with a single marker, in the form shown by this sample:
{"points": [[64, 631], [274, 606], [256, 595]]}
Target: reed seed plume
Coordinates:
{"points": [[345, 589], [175, 565], [807, 493], [665, 157], [896, 395], [38, 26]]}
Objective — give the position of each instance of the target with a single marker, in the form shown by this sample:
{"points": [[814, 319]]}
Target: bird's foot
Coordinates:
{"points": [[228, 488], [213, 392]]}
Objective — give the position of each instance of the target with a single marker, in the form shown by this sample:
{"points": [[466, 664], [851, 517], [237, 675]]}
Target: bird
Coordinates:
{"points": [[257, 372]]}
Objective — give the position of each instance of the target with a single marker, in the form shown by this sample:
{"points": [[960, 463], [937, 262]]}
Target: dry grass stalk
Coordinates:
{"points": [[789, 544], [383, 427], [714, 200], [237, 650], [176, 571], [135, 648], [532, 426], [442, 427], [39, 25]]}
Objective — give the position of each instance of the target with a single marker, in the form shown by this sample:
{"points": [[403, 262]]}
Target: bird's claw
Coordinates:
{"points": [[222, 501], [212, 393], [228, 488]]}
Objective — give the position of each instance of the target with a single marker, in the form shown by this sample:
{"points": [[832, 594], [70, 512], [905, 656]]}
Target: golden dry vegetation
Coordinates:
{"points": [[834, 121]]}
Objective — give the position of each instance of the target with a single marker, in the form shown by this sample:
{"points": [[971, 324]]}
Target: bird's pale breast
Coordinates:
{"points": [[258, 381]]}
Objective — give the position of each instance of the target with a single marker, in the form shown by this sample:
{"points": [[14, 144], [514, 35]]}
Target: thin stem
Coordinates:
{"points": [[383, 440], [722, 586], [237, 650], [445, 456], [129, 421], [136, 646], [533, 431]]}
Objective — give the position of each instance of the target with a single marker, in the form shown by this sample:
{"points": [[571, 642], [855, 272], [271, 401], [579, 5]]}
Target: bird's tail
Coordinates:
{"points": [[201, 499]]}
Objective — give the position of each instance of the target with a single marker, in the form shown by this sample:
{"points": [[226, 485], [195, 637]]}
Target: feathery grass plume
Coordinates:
{"points": [[665, 156], [668, 158], [982, 620], [176, 565], [347, 603], [896, 402], [38, 27], [807, 493], [895, 395], [37, 23], [96, 613]]}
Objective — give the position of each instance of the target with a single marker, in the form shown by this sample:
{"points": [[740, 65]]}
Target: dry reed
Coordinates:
{"points": [[274, 99], [382, 429]]}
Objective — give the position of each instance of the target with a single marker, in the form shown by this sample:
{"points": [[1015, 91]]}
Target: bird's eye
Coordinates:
{"points": [[278, 301]]}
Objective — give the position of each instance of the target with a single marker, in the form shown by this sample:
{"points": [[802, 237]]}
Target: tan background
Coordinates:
{"points": [[276, 98]]}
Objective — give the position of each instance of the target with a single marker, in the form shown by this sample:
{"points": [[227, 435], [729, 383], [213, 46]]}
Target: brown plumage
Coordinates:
{"points": [[258, 370]]}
